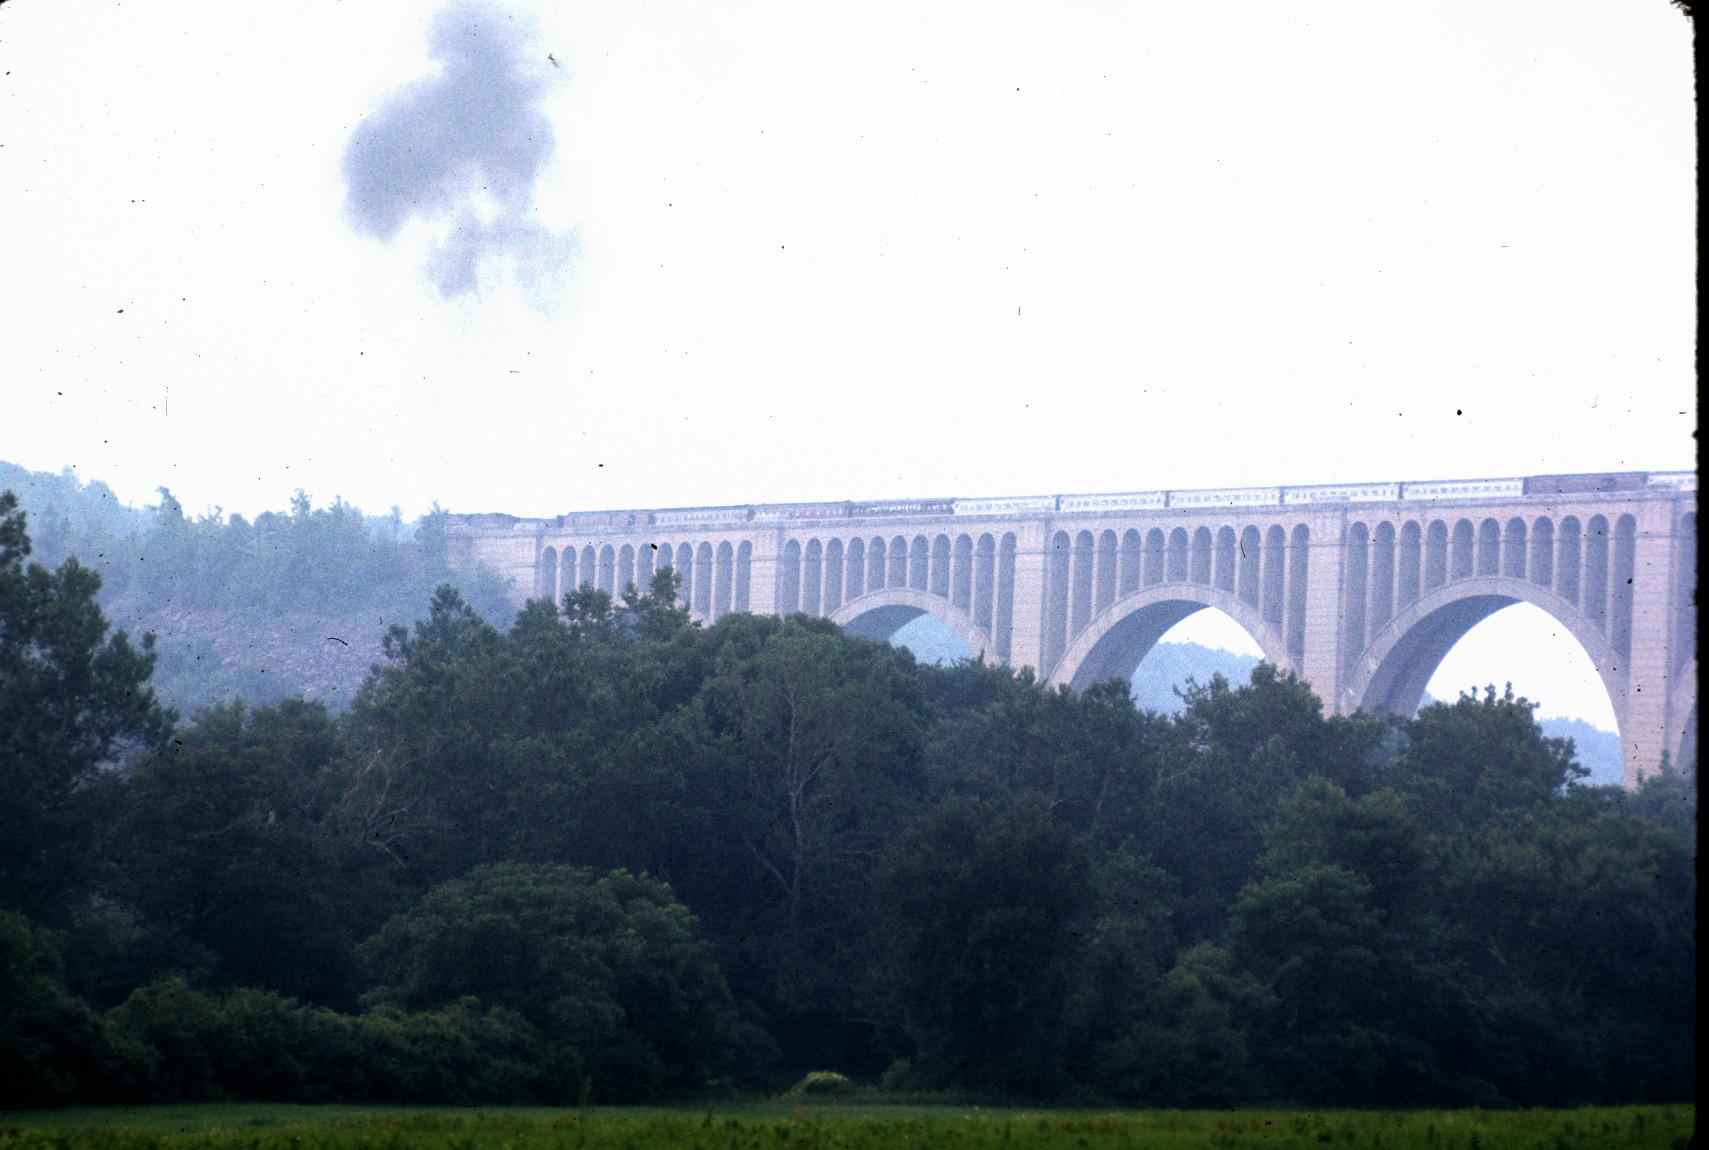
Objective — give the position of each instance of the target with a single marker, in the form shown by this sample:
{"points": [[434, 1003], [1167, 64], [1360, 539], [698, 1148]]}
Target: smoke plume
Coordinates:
{"points": [[464, 146]]}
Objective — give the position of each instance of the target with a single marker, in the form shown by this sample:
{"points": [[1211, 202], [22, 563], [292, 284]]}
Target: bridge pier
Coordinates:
{"points": [[1320, 663], [1026, 635], [1648, 730]]}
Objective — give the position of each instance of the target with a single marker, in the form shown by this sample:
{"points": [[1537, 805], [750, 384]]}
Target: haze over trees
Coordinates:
{"points": [[291, 603], [608, 854]]}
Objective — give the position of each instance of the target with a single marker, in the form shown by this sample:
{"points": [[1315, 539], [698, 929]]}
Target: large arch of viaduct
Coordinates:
{"points": [[1359, 589]]}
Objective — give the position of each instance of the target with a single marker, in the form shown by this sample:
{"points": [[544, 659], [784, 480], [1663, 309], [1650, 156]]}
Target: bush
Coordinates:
{"points": [[254, 1044], [823, 1084], [51, 1044], [610, 973]]}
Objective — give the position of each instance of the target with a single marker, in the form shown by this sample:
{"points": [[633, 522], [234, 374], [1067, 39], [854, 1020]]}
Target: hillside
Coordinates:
{"points": [[293, 603]]}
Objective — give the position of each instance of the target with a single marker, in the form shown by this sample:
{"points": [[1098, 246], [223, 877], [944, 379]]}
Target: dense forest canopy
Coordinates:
{"points": [[606, 853]]}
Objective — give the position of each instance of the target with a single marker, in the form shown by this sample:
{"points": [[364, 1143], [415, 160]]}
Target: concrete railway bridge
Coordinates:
{"points": [[1360, 589]]}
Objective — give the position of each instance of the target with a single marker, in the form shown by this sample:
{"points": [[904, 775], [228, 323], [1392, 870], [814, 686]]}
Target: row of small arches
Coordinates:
{"points": [[1263, 568], [712, 580], [1590, 564], [974, 573]]}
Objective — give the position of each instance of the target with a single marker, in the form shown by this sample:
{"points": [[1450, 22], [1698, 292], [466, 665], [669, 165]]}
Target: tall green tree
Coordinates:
{"points": [[990, 917], [73, 698], [1476, 759], [1236, 755], [52, 1048], [802, 754], [222, 838]]}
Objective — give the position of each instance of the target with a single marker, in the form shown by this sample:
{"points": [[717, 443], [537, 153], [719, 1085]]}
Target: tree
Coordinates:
{"points": [[610, 971], [73, 698], [1090, 754], [1478, 758], [1578, 923], [1181, 1038], [1313, 939], [221, 839], [802, 758], [51, 1045], [438, 782], [990, 914], [1667, 797], [1238, 753]]}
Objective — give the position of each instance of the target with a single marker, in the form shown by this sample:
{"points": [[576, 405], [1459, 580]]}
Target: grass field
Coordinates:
{"points": [[779, 1126]]}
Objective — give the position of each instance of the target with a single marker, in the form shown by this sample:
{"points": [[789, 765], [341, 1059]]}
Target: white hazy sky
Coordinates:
{"points": [[848, 251]]}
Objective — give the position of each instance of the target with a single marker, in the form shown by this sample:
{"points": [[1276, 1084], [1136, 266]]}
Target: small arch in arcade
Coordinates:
{"points": [[1299, 558], [984, 578], [685, 569], [1104, 581], [961, 573], [1153, 557], [811, 563], [939, 577], [625, 568], [546, 581], [607, 569], [1130, 562], [789, 579], [1275, 559], [723, 584], [919, 563], [1435, 555], [854, 561], [833, 576], [703, 580], [1462, 556], [1004, 621], [1080, 583], [1249, 558], [1410, 567], [1202, 555], [1177, 557], [744, 574], [1225, 558]]}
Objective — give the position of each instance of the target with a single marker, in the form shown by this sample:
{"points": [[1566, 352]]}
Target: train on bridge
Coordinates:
{"points": [[1294, 496]]}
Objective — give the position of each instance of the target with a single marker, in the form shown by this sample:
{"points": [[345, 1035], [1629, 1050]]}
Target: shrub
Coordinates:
{"points": [[823, 1084], [610, 973], [50, 1043]]}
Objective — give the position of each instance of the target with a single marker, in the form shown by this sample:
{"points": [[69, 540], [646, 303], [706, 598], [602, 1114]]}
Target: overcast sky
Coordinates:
{"points": [[534, 257]]}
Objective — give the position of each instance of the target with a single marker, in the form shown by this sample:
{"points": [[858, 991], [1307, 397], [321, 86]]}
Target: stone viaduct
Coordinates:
{"points": [[1360, 589]]}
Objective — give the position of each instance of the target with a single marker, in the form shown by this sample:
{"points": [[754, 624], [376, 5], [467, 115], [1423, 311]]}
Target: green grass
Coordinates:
{"points": [[783, 1126]]}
